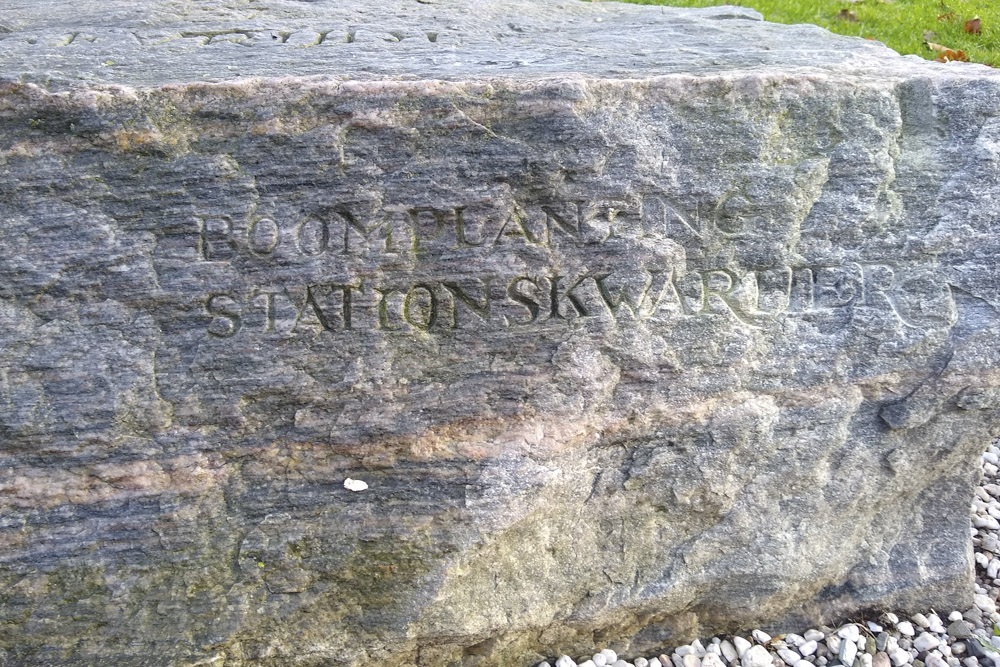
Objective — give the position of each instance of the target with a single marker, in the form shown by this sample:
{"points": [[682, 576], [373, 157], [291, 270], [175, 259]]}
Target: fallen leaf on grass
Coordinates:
{"points": [[946, 54], [974, 26], [947, 16], [847, 15]]}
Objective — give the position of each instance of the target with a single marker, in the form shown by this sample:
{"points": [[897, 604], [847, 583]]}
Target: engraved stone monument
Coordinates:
{"points": [[460, 332]]}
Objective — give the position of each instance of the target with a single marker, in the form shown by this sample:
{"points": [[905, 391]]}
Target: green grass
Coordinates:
{"points": [[900, 24]]}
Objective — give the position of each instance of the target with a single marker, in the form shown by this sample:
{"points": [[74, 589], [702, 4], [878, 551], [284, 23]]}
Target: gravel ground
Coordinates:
{"points": [[957, 638]]}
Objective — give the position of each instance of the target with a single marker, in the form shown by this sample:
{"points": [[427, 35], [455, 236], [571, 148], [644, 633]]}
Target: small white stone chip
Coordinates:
{"points": [[757, 656], [355, 485]]}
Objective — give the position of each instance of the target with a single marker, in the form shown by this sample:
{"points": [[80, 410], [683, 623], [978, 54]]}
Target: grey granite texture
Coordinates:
{"points": [[638, 323]]}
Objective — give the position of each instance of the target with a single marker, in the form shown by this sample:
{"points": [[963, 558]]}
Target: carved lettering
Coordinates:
{"points": [[270, 311], [461, 233], [425, 308], [515, 226], [310, 303], [836, 286], [562, 223], [556, 295], [440, 221], [364, 231], [313, 237], [711, 281], [383, 308], [754, 298], [263, 236], [632, 304], [226, 312], [346, 291], [482, 310], [556, 239], [526, 300], [215, 239]]}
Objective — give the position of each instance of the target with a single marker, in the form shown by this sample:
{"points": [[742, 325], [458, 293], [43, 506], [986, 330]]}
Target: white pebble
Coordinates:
{"points": [[729, 651], [789, 656], [761, 636], [848, 651], [794, 639], [691, 660], [850, 632], [873, 626], [640, 662], [935, 661], [599, 660], [985, 604], [814, 636], [757, 656], [833, 643], [710, 660], [698, 647], [905, 628], [610, 656], [684, 650], [955, 616], [900, 657], [355, 485], [993, 569], [742, 646], [891, 617], [926, 642], [587, 663], [808, 648], [565, 661], [866, 659], [655, 662], [620, 663], [713, 648], [920, 620]]}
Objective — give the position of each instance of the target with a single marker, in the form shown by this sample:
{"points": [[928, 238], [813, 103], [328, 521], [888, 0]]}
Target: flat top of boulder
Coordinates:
{"points": [[156, 42]]}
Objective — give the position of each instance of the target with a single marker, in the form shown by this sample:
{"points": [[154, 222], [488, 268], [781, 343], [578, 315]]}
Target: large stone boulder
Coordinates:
{"points": [[626, 324]]}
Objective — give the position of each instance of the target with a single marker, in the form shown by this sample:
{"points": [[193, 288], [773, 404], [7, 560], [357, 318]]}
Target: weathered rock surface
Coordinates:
{"points": [[469, 332]]}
